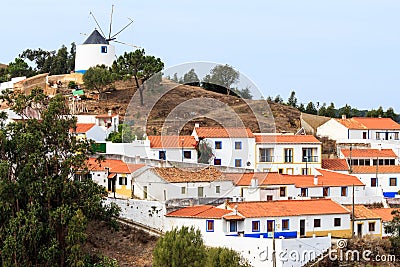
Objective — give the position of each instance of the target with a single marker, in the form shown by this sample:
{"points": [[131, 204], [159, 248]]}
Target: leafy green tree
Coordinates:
{"points": [[278, 99], [292, 100], [98, 78], [19, 68], [180, 247], [331, 111], [244, 93], [140, 67], [224, 257], [125, 134], [221, 75], [322, 110], [43, 213], [204, 152], [393, 228], [391, 114], [311, 109], [346, 110], [191, 78], [301, 108]]}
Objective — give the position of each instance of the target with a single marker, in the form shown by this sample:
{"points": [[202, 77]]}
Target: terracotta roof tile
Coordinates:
{"points": [[362, 212], [288, 208], [374, 169], [384, 213], [335, 164], [179, 175], [82, 127], [219, 132], [208, 212], [105, 116], [369, 153], [165, 141], [360, 123], [327, 178], [286, 138], [116, 166]]}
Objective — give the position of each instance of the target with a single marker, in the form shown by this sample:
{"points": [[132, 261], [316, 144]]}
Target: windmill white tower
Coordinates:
{"points": [[97, 50]]}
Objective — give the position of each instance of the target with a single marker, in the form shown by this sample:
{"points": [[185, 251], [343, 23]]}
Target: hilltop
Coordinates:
{"points": [[287, 119]]}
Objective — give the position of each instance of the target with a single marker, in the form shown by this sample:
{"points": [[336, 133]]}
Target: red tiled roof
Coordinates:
{"points": [[369, 153], [384, 213], [180, 175], [233, 217], [374, 169], [335, 164], [288, 208], [82, 127], [360, 123], [114, 165], [362, 212], [105, 116], [219, 132], [286, 138], [165, 141], [209, 212], [327, 178]]}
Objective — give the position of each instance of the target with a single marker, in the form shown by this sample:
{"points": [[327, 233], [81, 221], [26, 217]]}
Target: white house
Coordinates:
{"points": [[115, 175], [380, 178], [162, 184], [386, 215], [89, 131], [368, 156], [108, 121], [173, 148], [287, 153], [360, 128], [257, 219], [324, 184], [366, 221], [233, 147]]}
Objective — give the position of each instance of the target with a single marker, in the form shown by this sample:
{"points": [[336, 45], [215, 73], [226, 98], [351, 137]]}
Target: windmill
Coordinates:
{"points": [[97, 50]]}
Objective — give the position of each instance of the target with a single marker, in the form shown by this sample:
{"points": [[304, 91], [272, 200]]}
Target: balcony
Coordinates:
{"points": [[310, 159], [266, 158]]}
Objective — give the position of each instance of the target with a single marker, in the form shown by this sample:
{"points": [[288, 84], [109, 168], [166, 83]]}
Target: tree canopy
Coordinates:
{"points": [[44, 213], [222, 75], [98, 78]]}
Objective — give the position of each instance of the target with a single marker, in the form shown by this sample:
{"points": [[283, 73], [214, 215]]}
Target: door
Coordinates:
{"points": [[111, 184], [270, 226], [232, 226], [200, 191], [302, 227], [359, 230]]}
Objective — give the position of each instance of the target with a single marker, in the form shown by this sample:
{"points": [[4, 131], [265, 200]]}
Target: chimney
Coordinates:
{"points": [[254, 183], [315, 180], [344, 117], [109, 112], [196, 125]]}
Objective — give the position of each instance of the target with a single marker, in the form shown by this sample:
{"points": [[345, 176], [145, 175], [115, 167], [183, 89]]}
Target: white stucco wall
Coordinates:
{"points": [[89, 55], [332, 129]]}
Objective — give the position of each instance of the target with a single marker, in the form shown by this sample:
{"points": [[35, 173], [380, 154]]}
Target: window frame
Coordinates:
{"points": [[238, 145], [258, 224], [217, 161], [218, 144], [335, 220], [284, 190], [283, 225], [327, 190], [392, 179], [162, 152], [317, 223], [183, 190], [208, 224], [346, 191], [288, 157], [373, 226], [218, 189], [238, 163], [186, 153], [374, 182]]}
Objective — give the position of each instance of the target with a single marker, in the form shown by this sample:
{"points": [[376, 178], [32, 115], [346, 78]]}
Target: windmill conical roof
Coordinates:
{"points": [[96, 38]]}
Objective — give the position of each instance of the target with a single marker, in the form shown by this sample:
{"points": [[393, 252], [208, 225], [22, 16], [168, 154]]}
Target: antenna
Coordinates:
{"points": [[112, 10], [97, 23]]}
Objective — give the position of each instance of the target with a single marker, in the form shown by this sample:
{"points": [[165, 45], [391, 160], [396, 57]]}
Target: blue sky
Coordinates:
{"points": [[341, 51]]}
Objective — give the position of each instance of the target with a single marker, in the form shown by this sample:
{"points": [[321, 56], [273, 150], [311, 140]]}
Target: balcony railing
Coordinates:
{"points": [[266, 158], [310, 159]]}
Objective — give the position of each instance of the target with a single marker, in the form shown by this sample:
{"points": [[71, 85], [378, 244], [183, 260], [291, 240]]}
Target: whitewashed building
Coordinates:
{"points": [[233, 147], [287, 153], [173, 148], [366, 221]]}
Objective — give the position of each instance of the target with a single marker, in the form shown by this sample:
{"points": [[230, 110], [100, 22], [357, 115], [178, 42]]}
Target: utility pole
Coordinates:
{"points": [[352, 217], [273, 247], [351, 161]]}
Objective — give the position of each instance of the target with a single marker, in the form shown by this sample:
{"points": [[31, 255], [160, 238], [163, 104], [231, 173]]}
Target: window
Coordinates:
{"points": [[393, 182], [378, 136], [344, 191], [392, 162], [325, 191], [364, 135], [200, 191], [187, 154], [317, 222], [255, 226], [371, 226], [218, 189], [210, 225], [145, 192], [218, 145], [285, 224], [162, 155], [238, 163], [374, 182], [307, 155], [183, 190], [288, 155], [396, 136], [217, 162], [266, 155], [280, 170], [304, 171], [123, 181], [304, 192], [238, 145], [282, 191], [103, 49], [337, 222], [232, 226], [270, 198]]}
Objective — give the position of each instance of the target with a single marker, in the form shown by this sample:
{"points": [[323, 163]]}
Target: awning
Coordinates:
{"points": [[111, 175], [234, 217]]}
